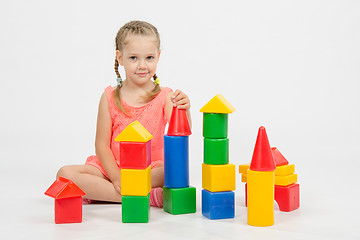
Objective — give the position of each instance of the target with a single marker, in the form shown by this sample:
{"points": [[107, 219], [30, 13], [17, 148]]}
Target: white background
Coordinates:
{"points": [[292, 66]]}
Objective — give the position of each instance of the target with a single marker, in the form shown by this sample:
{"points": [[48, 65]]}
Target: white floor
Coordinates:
{"points": [[328, 211]]}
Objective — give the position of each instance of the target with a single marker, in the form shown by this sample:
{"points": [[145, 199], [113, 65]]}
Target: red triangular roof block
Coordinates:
{"points": [[64, 188], [280, 160], [262, 159], [179, 123]]}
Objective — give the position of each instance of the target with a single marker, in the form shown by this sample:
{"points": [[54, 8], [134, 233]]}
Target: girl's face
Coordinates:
{"points": [[139, 57]]}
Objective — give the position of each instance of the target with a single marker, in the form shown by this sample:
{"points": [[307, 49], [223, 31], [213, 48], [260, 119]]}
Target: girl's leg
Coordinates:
{"points": [[91, 181], [157, 176], [157, 182]]}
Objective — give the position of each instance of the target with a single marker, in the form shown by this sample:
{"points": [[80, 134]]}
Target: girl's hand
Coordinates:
{"points": [[180, 100], [117, 185]]}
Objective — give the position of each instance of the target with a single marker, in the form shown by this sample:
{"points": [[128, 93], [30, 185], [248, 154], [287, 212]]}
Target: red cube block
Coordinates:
{"points": [[288, 197], [135, 155], [68, 210]]}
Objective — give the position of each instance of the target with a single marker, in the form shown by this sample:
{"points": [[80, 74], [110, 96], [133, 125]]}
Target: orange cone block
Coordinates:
{"points": [[260, 183]]}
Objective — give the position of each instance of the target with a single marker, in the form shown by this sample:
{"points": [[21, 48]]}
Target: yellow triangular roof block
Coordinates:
{"points": [[218, 104], [134, 132]]}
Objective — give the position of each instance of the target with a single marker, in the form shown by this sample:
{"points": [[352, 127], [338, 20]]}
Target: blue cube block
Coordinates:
{"points": [[176, 161], [218, 205]]}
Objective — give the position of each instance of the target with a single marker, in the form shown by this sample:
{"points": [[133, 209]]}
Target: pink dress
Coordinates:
{"points": [[151, 116]]}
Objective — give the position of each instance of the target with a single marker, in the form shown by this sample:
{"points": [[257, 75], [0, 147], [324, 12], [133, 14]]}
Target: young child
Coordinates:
{"points": [[135, 98]]}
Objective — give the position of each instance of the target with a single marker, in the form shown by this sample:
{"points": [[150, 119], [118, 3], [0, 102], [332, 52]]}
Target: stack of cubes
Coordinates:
{"points": [[178, 196], [218, 176], [287, 190], [135, 161]]}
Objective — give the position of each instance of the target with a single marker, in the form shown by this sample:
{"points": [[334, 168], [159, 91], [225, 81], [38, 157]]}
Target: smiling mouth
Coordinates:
{"points": [[142, 74]]}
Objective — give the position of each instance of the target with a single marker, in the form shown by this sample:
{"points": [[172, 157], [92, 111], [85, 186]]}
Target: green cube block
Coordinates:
{"points": [[216, 151], [179, 200], [135, 209], [215, 125]]}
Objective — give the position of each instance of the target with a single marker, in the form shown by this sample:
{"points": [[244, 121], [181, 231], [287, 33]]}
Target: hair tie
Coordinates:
{"points": [[119, 81], [157, 81]]}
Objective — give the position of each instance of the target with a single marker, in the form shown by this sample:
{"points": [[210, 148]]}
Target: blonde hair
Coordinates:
{"points": [[137, 28]]}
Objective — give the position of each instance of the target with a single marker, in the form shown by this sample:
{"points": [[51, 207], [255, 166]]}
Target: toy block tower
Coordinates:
{"points": [[178, 196], [135, 160], [261, 180], [68, 201], [218, 176], [287, 191]]}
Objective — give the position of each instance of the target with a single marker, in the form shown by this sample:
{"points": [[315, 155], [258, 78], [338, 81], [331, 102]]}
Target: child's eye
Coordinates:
{"points": [[133, 58], [150, 57]]}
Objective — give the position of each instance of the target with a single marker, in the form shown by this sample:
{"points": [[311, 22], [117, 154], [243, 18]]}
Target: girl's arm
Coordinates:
{"points": [[180, 100], [102, 143]]}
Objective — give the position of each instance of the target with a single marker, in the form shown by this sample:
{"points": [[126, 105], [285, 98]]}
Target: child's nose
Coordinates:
{"points": [[142, 64]]}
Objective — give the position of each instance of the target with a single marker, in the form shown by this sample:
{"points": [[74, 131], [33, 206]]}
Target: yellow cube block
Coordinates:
{"points": [[285, 170], [260, 198], [218, 178], [285, 180], [243, 168], [135, 182]]}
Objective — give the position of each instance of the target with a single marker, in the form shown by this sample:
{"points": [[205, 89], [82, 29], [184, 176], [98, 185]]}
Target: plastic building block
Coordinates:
{"points": [[246, 193], [243, 177], [176, 163], [288, 197], [135, 209], [64, 188], [179, 123], [243, 168], [68, 210], [260, 198], [280, 160], [216, 151], [134, 132], [285, 170], [218, 104], [218, 178], [135, 155], [215, 125], [285, 180], [262, 159], [68, 201], [283, 174], [179, 200], [218, 205], [135, 182]]}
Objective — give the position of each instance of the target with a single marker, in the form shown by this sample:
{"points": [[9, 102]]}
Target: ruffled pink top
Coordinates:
{"points": [[150, 115]]}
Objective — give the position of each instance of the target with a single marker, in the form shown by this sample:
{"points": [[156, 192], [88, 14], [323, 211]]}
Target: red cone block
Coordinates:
{"points": [[279, 159], [179, 124], [262, 159]]}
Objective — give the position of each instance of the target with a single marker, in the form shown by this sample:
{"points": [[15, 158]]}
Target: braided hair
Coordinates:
{"points": [[137, 28]]}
